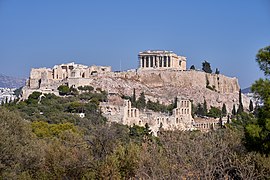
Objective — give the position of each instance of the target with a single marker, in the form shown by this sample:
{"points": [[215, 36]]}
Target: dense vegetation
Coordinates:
{"points": [[44, 138]]}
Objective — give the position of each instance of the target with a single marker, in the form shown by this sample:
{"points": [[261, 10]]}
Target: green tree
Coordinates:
{"points": [[199, 110], [217, 71], [133, 99], [33, 98], [192, 67], [206, 67], [257, 134], [204, 107], [251, 108], [240, 107], [224, 110], [63, 90], [228, 119], [214, 112], [263, 59], [234, 110], [141, 103]]}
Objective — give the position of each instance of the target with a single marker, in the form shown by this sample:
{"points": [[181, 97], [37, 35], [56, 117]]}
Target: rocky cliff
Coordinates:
{"points": [[162, 85], [166, 85]]}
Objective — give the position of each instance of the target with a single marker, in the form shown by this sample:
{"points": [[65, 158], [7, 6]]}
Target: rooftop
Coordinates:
{"points": [[156, 52]]}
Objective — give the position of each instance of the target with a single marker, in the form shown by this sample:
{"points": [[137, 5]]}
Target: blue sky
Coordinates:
{"points": [[227, 33]]}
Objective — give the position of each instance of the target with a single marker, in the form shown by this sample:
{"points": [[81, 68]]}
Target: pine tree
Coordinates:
{"points": [[224, 110], [251, 106]]}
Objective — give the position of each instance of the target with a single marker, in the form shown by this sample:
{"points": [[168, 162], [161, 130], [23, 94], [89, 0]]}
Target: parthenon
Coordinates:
{"points": [[159, 59]]}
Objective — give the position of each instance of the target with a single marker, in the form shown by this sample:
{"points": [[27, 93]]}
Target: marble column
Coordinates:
{"points": [[149, 63]]}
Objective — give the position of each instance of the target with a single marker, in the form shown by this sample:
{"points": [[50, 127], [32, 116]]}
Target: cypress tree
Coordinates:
{"points": [[228, 119], [220, 122], [133, 99], [141, 103], [240, 108], [204, 108], [234, 110], [251, 106], [224, 110], [217, 71], [175, 102], [199, 110]]}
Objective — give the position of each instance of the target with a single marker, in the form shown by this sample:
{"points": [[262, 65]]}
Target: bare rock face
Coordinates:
{"points": [[166, 85]]}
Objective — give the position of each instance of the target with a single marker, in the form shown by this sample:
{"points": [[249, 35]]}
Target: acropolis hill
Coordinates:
{"points": [[162, 75]]}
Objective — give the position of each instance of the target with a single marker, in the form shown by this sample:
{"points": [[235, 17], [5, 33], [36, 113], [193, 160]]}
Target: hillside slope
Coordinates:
{"points": [[11, 82]]}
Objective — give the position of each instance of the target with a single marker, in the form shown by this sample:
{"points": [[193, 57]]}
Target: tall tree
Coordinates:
{"points": [[175, 102], [251, 108], [234, 110], [141, 103], [257, 133], [228, 119], [224, 110], [220, 122], [206, 67], [263, 59], [217, 71], [199, 110], [133, 99], [240, 107], [204, 107]]}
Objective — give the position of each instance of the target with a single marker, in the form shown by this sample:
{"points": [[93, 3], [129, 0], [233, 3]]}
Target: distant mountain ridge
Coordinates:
{"points": [[11, 82], [246, 90]]}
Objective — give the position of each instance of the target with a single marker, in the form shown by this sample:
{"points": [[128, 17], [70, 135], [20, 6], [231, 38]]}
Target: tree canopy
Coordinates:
{"points": [[206, 67], [263, 59], [258, 132]]}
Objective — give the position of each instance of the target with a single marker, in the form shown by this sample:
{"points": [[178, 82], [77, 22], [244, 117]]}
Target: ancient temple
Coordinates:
{"points": [[160, 60]]}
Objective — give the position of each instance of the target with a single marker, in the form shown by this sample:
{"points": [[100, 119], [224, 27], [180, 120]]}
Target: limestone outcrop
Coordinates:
{"points": [[166, 85], [162, 85]]}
